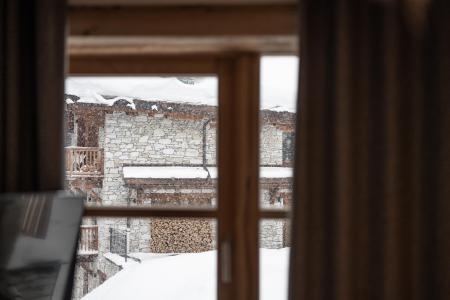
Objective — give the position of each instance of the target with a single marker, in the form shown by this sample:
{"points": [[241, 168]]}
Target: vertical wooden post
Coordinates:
{"points": [[238, 270], [96, 238]]}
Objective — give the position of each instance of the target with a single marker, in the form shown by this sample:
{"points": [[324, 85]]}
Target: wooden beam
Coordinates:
{"points": [[275, 214], [142, 65], [237, 20], [149, 212], [273, 45], [183, 212], [175, 2], [238, 187]]}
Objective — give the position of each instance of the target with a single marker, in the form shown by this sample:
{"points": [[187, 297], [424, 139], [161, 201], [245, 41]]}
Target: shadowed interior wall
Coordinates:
{"points": [[372, 196], [32, 41]]}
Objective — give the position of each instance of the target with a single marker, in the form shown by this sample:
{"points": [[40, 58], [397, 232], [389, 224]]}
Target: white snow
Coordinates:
{"points": [[164, 172], [274, 274], [141, 256], [264, 172], [168, 89], [275, 172], [150, 172], [189, 277], [279, 82], [278, 87], [212, 172], [120, 260]]}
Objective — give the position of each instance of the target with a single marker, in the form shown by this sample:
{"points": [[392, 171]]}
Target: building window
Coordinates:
{"points": [[288, 148]]}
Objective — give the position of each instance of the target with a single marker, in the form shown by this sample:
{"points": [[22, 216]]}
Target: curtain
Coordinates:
{"points": [[372, 176], [32, 38]]}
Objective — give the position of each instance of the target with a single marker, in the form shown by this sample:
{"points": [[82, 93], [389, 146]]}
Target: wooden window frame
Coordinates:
{"points": [[238, 212]]}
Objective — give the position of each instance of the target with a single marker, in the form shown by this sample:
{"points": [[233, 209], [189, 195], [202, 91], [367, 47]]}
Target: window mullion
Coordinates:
{"points": [[238, 177]]}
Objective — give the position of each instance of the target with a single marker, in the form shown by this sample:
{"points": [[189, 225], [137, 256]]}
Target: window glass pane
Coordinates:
{"points": [[278, 90], [146, 258], [274, 259], [133, 141]]}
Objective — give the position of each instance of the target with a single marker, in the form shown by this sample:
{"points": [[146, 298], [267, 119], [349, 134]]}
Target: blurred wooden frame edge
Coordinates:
{"points": [[150, 212], [195, 21], [142, 64], [265, 29], [181, 45], [170, 212]]}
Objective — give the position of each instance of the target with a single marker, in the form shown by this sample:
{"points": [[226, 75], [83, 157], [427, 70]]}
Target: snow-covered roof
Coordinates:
{"points": [[189, 277], [175, 172], [278, 87]]}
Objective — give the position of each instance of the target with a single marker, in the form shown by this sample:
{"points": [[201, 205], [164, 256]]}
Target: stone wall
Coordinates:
{"points": [[86, 276], [104, 245], [144, 139], [133, 138], [271, 145], [140, 235], [271, 234], [77, 291]]}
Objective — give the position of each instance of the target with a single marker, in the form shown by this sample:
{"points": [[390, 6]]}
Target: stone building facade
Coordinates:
{"points": [[160, 154]]}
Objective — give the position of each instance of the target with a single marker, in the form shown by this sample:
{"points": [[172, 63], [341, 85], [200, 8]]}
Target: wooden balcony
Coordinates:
{"points": [[84, 162], [88, 243]]}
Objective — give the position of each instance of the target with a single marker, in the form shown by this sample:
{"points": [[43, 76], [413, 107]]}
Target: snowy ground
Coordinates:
{"points": [[189, 277]]}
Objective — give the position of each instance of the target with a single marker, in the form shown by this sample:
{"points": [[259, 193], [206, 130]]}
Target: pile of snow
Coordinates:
{"points": [[169, 172], [189, 277], [278, 87], [274, 274]]}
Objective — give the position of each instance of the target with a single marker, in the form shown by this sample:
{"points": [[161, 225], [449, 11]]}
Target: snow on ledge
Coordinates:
{"points": [[275, 172], [171, 172], [165, 172], [144, 256], [120, 260]]}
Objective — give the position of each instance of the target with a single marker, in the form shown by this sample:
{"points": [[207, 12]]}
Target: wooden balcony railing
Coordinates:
{"points": [[84, 161], [88, 243]]}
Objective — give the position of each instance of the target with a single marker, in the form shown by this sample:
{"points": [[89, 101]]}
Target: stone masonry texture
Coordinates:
{"points": [[181, 138]]}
